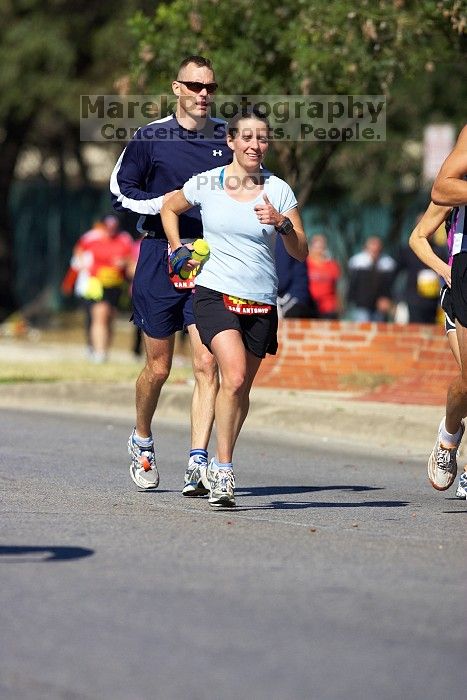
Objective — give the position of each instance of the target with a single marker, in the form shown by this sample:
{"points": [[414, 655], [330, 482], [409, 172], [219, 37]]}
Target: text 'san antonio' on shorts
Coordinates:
{"points": [[213, 315]]}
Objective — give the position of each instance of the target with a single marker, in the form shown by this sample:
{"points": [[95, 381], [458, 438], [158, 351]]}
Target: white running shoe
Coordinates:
{"points": [[196, 483], [461, 491], [442, 463], [143, 469], [221, 486]]}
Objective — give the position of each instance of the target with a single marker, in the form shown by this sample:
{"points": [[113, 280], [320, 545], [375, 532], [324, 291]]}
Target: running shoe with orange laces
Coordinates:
{"points": [[143, 469]]}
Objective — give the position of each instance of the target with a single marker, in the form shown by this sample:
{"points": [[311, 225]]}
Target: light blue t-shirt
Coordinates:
{"points": [[241, 261]]}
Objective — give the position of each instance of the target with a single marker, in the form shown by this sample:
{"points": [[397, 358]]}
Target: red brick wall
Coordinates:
{"points": [[378, 361]]}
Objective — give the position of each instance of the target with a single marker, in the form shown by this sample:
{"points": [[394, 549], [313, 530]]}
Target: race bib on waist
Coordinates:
{"points": [[245, 307]]}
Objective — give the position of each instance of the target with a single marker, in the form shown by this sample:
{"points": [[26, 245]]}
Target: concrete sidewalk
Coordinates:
{"points": [[300, 416]]}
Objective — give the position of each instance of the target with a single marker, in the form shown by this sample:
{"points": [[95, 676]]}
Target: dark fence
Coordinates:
{"points": [[48, 220]]}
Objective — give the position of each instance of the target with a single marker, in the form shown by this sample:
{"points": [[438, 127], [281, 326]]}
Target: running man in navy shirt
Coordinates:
{"points": [[156, 162]]}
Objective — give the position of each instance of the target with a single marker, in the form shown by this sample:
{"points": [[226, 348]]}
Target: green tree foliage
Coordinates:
{"points": [[51, 51], [297, 46], [410, 51]]}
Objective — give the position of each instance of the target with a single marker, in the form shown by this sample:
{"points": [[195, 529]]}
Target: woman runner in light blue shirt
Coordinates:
{"points": [[243, 207]]}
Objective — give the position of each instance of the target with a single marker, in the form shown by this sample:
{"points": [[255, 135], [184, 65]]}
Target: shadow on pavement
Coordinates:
{"points": [[449, 512], [297, 505], [55, 553], [284, 490], [301, 505]]}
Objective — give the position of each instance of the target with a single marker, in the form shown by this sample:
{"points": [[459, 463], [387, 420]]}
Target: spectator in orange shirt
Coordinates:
{"points": [[103, 260], [323, 276]]}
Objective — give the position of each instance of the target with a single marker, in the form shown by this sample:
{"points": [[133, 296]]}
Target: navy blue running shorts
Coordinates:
{"points": [[159, 309], [259, 332]]}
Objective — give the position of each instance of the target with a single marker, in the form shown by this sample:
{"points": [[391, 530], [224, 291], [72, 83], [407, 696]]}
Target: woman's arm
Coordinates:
{"points": [[418, 241], [295, 241], [170, 211], [450, 187]]}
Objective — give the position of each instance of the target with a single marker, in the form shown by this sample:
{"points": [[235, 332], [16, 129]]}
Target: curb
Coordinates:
{"points": [[298, 416]]}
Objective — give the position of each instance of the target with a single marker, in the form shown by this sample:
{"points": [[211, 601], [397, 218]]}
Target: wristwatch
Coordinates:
{"points": [[285, 228]]}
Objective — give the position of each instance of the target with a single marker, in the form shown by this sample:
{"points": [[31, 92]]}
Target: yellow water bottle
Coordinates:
{"points": [[200, 252], [94, 290]]}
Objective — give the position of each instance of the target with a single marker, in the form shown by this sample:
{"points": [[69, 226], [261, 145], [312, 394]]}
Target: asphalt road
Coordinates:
{"points": [[339, 575]]}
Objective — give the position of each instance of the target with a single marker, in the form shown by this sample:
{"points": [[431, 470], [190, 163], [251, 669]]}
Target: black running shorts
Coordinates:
{"points": [[258, 331], [446, 305], [459, 288]]}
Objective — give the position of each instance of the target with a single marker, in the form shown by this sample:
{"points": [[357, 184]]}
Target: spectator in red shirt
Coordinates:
{"points": [[323, 276], [102, 259]]}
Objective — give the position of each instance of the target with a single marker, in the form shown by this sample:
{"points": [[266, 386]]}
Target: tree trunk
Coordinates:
{"points": [[310, 175], [301, 172], [400, 207]]}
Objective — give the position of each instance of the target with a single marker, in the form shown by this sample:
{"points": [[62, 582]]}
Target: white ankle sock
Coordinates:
{"points": [[222, 465], [449, 438], [143, 442]]}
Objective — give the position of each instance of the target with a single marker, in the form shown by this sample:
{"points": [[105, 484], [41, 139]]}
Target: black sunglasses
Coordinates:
{"points": [[194, 86]]}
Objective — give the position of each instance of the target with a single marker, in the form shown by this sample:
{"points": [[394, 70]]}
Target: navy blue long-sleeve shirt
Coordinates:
{"points": [[160, 158], [292, 274]]}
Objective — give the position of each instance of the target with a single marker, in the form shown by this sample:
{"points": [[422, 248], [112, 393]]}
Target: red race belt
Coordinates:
{"points": [[245, 307]]}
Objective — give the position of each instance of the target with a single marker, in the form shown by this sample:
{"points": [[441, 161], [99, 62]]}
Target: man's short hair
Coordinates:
{"points": [[199, 61]]}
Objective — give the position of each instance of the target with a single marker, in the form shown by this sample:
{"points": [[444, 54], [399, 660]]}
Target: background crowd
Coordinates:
{"points": [[370, 286]]}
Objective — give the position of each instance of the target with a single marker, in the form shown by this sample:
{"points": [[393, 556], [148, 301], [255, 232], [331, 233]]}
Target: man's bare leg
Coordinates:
{"points": [[454, 345], [206, 377], [442, 463], [159, 354], [143, 467], [456, 405]]}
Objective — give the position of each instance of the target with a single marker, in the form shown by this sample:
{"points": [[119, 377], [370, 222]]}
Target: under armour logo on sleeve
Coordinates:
{"points": [[216, 153]]}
